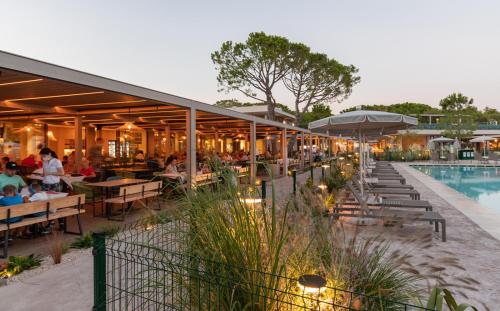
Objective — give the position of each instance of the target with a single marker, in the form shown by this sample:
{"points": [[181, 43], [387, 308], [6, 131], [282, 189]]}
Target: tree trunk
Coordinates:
{"points": [[271, 106]]}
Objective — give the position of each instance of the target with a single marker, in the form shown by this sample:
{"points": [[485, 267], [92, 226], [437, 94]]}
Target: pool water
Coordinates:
{"points": [[481, 184]]}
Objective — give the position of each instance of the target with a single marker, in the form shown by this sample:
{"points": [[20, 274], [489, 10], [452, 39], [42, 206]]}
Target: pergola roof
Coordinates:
{"points": [[37, 91]]}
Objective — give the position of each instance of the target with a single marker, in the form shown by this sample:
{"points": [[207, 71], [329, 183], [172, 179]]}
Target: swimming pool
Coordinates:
{"points": [[481, 184]]}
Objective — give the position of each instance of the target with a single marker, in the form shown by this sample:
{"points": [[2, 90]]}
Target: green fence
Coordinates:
{"points": [[145, 268]]}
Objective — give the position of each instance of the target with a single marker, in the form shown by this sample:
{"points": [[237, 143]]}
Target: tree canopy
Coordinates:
{"points": [[318, 111], [314, 79], [263, 62], [253, 67]]}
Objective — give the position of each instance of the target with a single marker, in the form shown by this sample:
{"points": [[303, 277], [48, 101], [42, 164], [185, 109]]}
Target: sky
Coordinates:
{"points": [[417, 51]]}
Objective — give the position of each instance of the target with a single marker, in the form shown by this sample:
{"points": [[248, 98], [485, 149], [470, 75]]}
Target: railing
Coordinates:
{"points": [[436, 126], [145, 268]]}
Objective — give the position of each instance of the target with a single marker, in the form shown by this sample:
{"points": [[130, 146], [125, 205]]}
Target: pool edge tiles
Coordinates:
{"points": [[484, 217]]}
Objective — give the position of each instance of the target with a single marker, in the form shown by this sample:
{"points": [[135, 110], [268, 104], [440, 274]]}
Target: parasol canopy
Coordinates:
{"points": [[442, 139], [481, 139], [368, 122]]}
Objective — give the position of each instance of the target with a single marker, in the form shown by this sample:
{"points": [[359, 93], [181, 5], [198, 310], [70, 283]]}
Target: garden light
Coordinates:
{"points": [[312, 283], [322, 186]]}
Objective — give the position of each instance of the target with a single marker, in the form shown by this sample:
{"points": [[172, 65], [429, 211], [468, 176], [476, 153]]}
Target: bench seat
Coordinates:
{"points": [[28, 221], [131, 197]]}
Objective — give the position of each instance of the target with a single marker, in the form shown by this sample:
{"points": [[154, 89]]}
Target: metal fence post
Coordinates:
{"points": [[294, 178], [99, 253], [263, 190], [312, 174]]}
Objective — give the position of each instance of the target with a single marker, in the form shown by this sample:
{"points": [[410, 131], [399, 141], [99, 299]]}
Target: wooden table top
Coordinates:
{"points": [[131, 169], [118, 182]]}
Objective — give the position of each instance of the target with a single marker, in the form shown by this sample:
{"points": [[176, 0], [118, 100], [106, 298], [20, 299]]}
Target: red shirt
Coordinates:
{"points": [[29, 162], [87, 172]]}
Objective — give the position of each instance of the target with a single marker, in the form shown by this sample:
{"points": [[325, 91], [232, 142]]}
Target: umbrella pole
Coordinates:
{"points": [[361, 165]]}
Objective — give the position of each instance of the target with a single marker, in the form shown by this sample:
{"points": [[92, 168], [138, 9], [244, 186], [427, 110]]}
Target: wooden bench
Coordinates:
{"points": [[60, 208], [130, 194]]}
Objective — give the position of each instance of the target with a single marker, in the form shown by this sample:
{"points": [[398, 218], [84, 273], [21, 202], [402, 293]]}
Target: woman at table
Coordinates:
{"points": [[171, 165], [52, 170]]}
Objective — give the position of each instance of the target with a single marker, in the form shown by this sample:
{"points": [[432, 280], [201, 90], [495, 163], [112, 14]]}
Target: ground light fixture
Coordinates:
{"points": [[322, 187], [312, 283]]}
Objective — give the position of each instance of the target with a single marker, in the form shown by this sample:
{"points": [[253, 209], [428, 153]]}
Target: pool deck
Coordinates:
{"points": [[484, 217]]}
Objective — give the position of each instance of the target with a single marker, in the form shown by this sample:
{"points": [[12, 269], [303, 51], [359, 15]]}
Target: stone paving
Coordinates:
{"points": [[477, 250]]}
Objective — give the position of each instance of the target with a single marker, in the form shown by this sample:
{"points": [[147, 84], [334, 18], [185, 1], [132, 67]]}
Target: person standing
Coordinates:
{"points": [[52, 170]]}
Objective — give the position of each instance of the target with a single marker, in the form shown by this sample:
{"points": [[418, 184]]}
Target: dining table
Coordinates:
{"points": [[68, 179]]}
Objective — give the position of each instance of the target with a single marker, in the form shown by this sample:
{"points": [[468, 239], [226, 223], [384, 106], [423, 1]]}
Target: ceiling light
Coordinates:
{"points": [[20, 82], [54, 96], [107, 103]]}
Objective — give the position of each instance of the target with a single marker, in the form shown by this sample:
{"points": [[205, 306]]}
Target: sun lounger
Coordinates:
{"points": [[413, 194], [391, 214], [387, 203]]}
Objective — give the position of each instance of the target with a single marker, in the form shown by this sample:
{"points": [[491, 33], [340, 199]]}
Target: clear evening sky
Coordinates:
{"points": [[416, 51]]}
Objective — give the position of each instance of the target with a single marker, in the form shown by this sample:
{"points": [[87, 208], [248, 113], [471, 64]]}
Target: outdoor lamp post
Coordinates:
{"points": [[323, 169], [312, 284]]}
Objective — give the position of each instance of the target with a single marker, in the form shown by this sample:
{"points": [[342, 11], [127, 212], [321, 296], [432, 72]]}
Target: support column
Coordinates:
{"points": [[117, 145], [310, 149], [253, 152], [191, 146], [168, 146], [217, 142], [89, 139], [302, 151], [78, 143], [176, 142], [284, 152], [150, 143], [98, 132]]}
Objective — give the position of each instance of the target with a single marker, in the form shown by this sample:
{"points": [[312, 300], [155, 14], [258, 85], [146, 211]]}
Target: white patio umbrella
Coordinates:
{"points": [[442, 140], [482, 139], [363, 123]]}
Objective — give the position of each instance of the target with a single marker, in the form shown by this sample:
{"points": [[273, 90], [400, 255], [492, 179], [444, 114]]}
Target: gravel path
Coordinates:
{"points": [[69, 285]]}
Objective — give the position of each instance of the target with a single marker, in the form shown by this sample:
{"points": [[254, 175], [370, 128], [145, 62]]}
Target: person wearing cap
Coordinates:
{"points": [[9, 177]]}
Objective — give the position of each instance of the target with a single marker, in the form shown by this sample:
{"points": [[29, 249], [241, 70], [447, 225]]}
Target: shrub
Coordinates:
{"points": [[86, 241], [18, 264], [56, 246]]}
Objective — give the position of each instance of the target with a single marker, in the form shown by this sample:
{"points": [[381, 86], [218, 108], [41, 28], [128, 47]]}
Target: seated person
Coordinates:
{"points": [[38, 195], [11, 197], [152, 164], [87, 170], [29, 161], [9, 177], [139, 156], [3, 162], [171, 165]]}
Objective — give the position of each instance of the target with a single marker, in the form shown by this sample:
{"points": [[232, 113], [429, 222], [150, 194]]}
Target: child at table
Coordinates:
{"points": [[11, 197], [38, 195]]}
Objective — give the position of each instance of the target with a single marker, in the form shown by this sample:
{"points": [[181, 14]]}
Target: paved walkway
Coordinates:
{"points": [[477, 250], [69, 285]]}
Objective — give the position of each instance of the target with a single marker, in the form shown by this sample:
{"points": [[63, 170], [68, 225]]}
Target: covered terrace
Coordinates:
{"points": [[67, 110]]}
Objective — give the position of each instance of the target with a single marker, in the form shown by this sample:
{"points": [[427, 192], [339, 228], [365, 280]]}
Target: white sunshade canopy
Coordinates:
{"points": [[482, 139], [368, 122], [442, 139]]}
